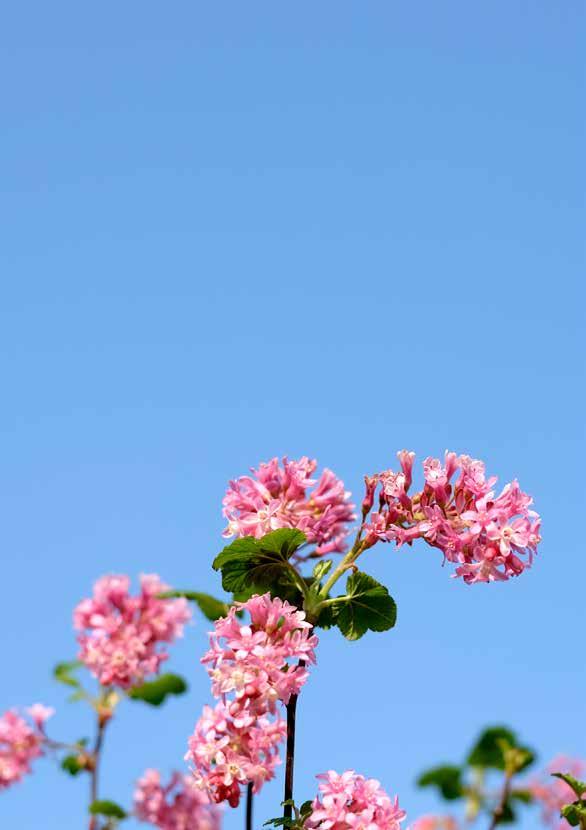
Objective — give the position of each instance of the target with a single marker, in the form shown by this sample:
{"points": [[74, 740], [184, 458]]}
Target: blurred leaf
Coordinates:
{"points": [[155, 691], [447, 778], [322, 568], [487, 751], [366, 606], [107, 808], [578, 787], [63, 672], [525, 796], [71, 765]]}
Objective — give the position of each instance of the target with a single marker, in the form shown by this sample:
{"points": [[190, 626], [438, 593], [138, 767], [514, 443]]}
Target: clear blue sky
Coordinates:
{"points": [[234, 230]]}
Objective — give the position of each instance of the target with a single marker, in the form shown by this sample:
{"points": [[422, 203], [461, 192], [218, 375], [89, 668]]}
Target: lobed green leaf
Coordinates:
{"points": [[447, 778], [367, 605]]}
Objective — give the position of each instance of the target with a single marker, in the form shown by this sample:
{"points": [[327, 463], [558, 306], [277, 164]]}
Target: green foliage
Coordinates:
{"points": [[63, 672], [210, 607], [575, 813], [107, 808], [492, 750], [366, 606], [155, 691], [71, 764], [578, 787], [297, 821], [447, 778], [251, 565], [524, 796], [322, 568]]}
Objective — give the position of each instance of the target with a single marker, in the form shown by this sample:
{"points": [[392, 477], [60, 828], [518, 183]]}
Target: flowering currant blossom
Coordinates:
{"points": [[121, 634], [484, 534], [180, 805], [352, 802], [228, 753], [277, 496], [236, 742], [553, 793], [21, 743], [251, 662]]}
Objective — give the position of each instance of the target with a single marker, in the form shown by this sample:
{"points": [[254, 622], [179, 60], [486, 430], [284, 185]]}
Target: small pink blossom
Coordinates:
{"points": [[226, 755], [258, 663], [435, 823], [488, 537], [279, 495], [20, 743], [178, 805], [553, 793], [121, 635], [351, 802]]}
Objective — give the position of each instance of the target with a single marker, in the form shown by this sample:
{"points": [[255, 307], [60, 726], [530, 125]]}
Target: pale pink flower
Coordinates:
{"points": [[121, 635], [553, 793], [178, 805], [279, 495], [227, 756], [488, 537], [351, 802], [258, 663], [21, 743]]}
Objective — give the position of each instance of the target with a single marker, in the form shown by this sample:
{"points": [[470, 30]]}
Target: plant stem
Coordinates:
{"points": [[500, 807], [249, 797], [346, 562], [94, 772], [290, 759]]}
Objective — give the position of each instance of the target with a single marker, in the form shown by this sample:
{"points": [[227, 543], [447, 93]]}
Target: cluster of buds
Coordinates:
{"points": [[483, 534], [121, 635], [252, 667]]}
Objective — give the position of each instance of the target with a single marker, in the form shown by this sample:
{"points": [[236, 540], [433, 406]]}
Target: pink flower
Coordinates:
{"points": [[258, 663], [121, 634], [278, 496], [435, 823], [553, 793], [351, 802], [226, 755], [488, 537], [179, 805], [20, 743]]}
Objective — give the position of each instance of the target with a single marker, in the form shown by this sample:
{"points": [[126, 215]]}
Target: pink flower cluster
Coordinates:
{"points": [[276, 495], [21, 742], [351, 802], [484, 534], [179, 805], [121, 634], [553, 793], [252, 666]]}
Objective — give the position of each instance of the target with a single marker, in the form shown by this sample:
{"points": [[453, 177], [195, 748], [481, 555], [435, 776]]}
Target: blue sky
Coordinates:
{"points": [[233, 231]]}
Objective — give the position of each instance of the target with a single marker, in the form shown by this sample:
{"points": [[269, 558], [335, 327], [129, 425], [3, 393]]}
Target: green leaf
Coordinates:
{"points": [[107, 808], [155, 691], [525, 796], [323, 567], [366, 606], [490, 749], [251, 565], [71, 765], [447, 778], [210, 607], [575, 813], [63, 673], [306, 809], [578, 787]]}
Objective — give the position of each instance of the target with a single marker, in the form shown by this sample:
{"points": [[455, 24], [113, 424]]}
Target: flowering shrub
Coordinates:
{"points": [[284, 523]]}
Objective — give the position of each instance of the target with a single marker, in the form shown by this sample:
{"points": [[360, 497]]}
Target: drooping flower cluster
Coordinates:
{"points": [[252, 667], [178, 805], [21, 742], [121, 635], [484, 534], [351, 802], [276, 495], [553, 793]]}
